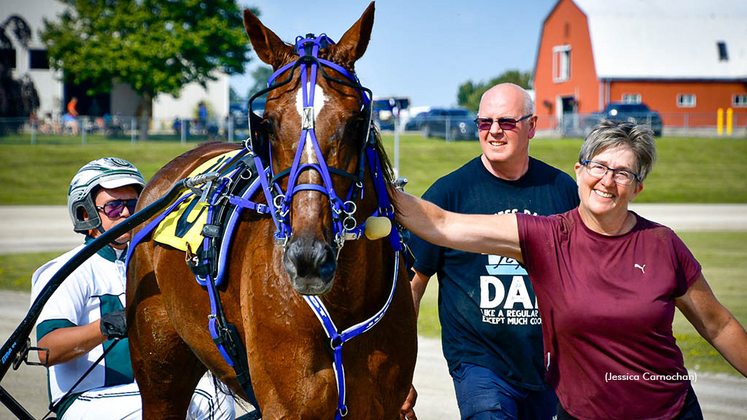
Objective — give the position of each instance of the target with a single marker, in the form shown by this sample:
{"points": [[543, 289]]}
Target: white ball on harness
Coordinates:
{"points": [[377, 227]]}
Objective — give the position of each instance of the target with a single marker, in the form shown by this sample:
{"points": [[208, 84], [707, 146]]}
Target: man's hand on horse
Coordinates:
{"points": [[114, 324], [407, 411]]}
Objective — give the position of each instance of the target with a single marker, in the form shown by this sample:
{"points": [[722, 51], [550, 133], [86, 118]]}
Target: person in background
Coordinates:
{"points": [[607, 282], [72, 107], [490, 324], [70, 119], [85, 317], [202, 114]]}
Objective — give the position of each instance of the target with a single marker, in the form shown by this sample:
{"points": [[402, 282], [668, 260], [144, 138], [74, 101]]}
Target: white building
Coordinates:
{"points": [[54, 94]]}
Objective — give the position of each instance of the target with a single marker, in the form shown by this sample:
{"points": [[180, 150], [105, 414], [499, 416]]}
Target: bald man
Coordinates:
{"points": [[491, 330]]}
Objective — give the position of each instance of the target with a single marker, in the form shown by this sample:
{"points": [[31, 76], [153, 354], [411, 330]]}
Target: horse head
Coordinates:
{"points": [[317, 123]]}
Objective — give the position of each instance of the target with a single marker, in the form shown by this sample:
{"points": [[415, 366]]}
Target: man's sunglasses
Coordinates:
{"points": [[484, 124], [114, 208]]}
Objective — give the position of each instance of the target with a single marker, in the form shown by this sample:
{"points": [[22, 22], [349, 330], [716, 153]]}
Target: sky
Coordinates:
{"points": [[423, 49]]}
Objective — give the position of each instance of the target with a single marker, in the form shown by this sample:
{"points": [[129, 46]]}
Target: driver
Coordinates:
{"points": [[85, 317]]}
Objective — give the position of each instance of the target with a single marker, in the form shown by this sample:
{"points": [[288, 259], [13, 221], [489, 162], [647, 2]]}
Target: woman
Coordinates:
{"points": [[607, 282]]}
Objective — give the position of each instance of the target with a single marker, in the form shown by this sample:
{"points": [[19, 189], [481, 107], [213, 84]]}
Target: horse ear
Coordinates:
{"points": [[269, 47], [353, 44]]}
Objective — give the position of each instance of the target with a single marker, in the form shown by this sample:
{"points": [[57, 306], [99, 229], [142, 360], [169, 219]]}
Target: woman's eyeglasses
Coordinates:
{"points": [[599, 170], [114, 208], [506, 124]]}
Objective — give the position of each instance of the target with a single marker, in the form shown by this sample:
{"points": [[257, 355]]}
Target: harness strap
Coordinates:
{"points": [[224, 334], [227, 340], [282, 232], [337, 339]]}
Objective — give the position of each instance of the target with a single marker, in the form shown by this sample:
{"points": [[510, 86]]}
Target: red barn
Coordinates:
{"points": [[683, 58]]}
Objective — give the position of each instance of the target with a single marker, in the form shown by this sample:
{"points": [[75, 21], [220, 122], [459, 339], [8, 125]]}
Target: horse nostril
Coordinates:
{"points": [[308, 258], [327, 263]]}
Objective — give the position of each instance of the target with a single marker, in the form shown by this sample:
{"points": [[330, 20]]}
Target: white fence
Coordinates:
{"points": [[128, 128], [120, 127]]}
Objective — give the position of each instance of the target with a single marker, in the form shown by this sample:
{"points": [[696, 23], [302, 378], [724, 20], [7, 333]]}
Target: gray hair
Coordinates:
{"points": [[638, 138], [528, 103]]}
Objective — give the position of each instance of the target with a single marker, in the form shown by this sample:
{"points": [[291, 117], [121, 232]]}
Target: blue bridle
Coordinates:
{"points": [[344, 224]]}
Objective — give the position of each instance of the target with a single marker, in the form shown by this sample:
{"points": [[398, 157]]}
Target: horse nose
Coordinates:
{"points": [[311, 265]]}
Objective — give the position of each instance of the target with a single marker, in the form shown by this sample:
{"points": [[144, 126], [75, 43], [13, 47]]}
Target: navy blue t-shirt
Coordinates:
{"points": [[486, 304]]}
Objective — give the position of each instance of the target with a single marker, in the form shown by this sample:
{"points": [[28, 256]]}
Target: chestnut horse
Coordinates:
{"points": [[289, 356]]}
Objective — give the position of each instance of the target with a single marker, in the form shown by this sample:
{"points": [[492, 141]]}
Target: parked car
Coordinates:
{"points": [[619, 111], [449, 123], [414, 123]]}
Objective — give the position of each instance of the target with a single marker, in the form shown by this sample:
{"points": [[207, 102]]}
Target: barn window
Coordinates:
{"points": [[686, 100], [561, 63], [739, 101], [631, 98], [723, 54]]}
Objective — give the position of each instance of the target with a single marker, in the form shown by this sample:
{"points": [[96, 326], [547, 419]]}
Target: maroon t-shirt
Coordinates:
{"points": [[607, 305]]}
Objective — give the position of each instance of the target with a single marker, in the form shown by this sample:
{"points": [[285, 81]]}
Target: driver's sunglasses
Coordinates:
{"points": [[114, 208], [484, 124]]}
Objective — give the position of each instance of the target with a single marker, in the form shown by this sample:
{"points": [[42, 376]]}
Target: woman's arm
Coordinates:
{"points": [[485, 234], [715, 323]]}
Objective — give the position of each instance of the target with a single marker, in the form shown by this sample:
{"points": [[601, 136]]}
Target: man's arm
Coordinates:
{"points": [[66, 344], [418, 284], [486, 234]]}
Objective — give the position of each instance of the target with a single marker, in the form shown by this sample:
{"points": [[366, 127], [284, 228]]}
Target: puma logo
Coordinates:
{"points": [[642, 267]]}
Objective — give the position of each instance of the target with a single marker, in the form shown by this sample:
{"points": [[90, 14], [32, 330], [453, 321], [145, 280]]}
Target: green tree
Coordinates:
{"points": [[155, 46], [260, 75], [469, 93]]}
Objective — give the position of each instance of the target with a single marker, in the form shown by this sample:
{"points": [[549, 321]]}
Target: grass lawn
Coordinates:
{"points": [[688, 171]]}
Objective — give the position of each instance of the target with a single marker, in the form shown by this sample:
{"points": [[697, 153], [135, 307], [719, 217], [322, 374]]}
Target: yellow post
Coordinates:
{"points": [[729, 120], [720, 122]]}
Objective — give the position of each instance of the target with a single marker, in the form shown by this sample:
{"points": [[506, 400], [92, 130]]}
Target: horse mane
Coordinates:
{"points": [[386, 165]]}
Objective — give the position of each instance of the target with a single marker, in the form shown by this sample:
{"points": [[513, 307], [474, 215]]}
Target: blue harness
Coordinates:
{"points": [[248, 165]]}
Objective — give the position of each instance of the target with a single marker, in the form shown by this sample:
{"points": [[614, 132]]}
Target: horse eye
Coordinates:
{"points": [[268, 127], [358, 125]]}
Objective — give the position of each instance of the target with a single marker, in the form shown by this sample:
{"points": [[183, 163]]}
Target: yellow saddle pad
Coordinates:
{"points": [[184, 225]]}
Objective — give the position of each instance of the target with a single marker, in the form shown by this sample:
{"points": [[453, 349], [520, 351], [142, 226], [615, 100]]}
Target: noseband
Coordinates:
{"points": [[345, 225]]}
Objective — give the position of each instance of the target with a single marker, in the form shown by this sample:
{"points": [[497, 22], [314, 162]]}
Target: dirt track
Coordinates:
{"points": [[721, 397]]}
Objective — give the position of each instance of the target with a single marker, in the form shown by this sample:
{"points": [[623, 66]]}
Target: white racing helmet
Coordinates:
{"points": [[106, 173]]}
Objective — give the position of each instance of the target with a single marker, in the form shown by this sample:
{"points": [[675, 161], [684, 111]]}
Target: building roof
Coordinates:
{"points": [[667, 39]]}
